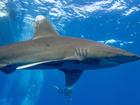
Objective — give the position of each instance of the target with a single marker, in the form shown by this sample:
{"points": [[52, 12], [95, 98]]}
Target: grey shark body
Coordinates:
{"points": [[49, 50]]}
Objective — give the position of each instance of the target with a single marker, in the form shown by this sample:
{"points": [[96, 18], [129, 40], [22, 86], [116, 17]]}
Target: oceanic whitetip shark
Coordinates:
{"points": [[49, 50]]}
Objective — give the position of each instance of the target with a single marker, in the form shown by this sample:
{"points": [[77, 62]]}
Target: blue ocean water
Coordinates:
{"points": [[113, 22]]}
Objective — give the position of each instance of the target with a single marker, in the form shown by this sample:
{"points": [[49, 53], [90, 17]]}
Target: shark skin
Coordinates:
{"points": [[49, 50]]}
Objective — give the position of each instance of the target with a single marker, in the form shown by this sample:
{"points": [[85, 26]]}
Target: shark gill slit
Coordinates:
{"points": [[77, 51], [85, 52], [81, 52]]}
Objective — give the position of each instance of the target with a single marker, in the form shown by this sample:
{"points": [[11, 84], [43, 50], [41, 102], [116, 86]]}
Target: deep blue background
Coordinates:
{"points": [[114, 22]]}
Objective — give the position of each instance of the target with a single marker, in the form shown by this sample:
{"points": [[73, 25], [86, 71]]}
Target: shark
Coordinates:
{"points": [[49, 50]]}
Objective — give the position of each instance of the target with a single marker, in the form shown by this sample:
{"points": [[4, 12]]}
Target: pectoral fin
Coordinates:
{"points": [[71, 76]]}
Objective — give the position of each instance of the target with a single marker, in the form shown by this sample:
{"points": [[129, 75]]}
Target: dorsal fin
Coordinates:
{"points": [[43, 28]]}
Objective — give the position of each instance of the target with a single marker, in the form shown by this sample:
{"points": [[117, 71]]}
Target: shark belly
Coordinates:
{"points": [[84, 65]]}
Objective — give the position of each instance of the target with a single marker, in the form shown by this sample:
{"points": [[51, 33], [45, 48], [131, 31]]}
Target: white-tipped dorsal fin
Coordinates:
{"points": [[43, 28]]}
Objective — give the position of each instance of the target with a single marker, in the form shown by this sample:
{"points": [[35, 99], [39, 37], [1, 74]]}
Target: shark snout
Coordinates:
{"points": [[123, 56], [134, 58], [127, 58]]}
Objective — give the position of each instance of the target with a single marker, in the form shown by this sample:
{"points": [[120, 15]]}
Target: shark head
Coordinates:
{"points": [[103, 56], [124, 57]]}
